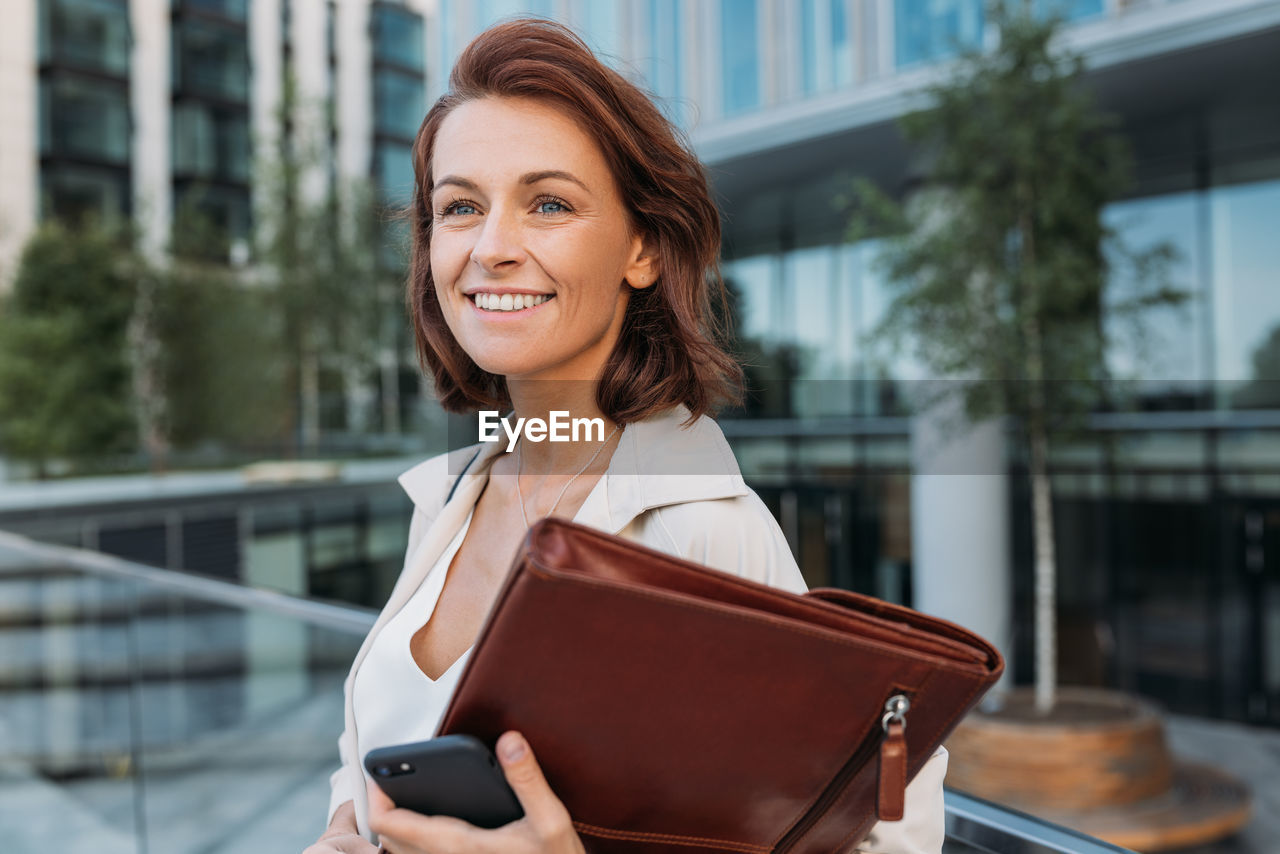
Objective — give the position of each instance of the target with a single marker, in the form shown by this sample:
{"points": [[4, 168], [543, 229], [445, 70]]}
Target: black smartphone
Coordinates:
{"points": [[452, 775]]}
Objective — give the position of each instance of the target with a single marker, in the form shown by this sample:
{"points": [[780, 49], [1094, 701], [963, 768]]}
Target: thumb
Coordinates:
{"points": [[544, 810]]}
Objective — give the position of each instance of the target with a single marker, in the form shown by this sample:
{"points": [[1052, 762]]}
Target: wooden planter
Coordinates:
{"points": [[1097, 763]]}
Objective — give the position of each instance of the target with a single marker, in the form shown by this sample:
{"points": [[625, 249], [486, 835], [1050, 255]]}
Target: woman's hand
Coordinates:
{"points": [[342, 837], [545, 829]]}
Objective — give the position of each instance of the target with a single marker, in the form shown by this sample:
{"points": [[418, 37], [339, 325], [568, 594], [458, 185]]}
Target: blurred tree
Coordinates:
{"points": [[1000, 259], [223, 363], [64, 368], [266, 345], [338, 293]]}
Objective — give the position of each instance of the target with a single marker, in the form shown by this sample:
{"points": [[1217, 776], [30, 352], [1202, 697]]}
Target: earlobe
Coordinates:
{"points": [[644, 264], [640, 281]]}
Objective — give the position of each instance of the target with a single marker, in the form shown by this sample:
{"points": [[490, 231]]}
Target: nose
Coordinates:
{"points": [[498, 247]]}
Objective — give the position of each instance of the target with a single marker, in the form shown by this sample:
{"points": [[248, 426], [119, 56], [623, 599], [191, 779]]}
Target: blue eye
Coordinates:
{"points": [[457, 206], [553, 203]]}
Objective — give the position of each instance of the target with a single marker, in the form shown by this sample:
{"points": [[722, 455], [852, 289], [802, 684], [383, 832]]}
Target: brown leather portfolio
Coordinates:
{"points": [[676, 708]]}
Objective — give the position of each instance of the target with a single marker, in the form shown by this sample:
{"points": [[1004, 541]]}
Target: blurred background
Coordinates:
{"points": [[208, 385]]}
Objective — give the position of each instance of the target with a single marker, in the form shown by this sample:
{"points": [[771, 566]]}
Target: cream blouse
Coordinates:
{"points": [[395, 702]]}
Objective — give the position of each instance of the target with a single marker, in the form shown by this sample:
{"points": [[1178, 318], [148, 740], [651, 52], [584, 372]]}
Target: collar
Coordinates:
{"points": [[658, 461]]}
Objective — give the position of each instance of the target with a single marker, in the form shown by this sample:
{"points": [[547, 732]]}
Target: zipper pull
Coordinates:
{"points": [[891, 794]]}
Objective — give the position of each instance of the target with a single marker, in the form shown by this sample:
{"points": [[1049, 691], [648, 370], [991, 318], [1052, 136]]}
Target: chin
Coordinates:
{"points": [[508, 365]]}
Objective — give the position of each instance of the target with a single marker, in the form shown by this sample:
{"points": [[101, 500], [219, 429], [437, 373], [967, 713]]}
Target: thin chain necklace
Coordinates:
{"points": [[520, 468]]}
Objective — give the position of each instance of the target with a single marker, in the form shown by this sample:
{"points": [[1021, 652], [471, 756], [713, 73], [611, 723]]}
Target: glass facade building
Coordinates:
{"points": [[210, 126], [399, 97], [1166, 504], [85, 128]]}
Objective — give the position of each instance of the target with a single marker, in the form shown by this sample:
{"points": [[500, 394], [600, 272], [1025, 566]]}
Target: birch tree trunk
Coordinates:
{"points": [[309, 394], [1046, 561], [146, 355], [1046, 564]]}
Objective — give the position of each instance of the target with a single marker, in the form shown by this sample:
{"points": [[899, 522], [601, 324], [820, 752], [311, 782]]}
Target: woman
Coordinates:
{"points": [[563, 242]]}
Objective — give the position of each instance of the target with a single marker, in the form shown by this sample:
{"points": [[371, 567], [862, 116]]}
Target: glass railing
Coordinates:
{"points": [[143, 710], [975, 826]]}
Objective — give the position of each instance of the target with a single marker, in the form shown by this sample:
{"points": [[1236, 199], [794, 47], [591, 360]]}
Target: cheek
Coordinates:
{"points": [[596, 266], [448, 255]]}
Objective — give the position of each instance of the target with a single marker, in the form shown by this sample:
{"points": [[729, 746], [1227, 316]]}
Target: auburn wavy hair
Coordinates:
{"points": [[670, 349]]}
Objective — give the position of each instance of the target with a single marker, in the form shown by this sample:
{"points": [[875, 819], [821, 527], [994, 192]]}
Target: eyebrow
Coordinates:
{"points": [[526, 178]]}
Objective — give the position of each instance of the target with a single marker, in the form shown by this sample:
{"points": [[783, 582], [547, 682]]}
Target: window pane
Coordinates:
{"points": [[1071, 10], [397, 36], [71, 192], [211, 60], [841, 44], [1246, 282], [880, 369], [393, 171], [88, 34], [399, 103], [87, 119], [492, 11], [664, 56], [825, 54], [928, 30], [821, 317], [601, 29], [814, 313], [751, 280], [235, 9], [1165, 349], [210, 143], [740, 71]]}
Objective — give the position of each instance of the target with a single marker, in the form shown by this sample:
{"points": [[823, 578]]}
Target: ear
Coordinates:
{"points": [[644, 267]]}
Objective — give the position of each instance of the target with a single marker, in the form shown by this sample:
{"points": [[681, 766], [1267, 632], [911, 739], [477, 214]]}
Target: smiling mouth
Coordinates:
{"points": [[508, 302]]}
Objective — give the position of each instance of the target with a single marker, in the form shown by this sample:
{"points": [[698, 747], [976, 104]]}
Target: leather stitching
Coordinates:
{"points": [[699, 841]]}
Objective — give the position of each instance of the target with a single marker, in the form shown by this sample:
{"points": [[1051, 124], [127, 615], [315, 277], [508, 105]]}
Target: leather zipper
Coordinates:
{"points": [[891, 777]]}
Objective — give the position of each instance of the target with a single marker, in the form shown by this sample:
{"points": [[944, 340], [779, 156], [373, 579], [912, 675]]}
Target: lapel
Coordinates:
{"points": [[658, 462]]}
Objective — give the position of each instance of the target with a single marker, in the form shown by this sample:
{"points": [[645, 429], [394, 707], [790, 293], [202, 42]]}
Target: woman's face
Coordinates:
{"points": [[526, 213]]}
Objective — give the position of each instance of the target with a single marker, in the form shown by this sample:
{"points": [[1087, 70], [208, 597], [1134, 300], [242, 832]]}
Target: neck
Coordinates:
{"points": [[538, 399]]}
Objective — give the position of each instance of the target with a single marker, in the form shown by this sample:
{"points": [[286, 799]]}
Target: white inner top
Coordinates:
{"points": [[412, 708]]}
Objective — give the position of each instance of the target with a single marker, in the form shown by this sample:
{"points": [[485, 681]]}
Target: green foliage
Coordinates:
{"points": [[222, 370], [337, 299], [1001, 259], [102, 352], [64, 369]]}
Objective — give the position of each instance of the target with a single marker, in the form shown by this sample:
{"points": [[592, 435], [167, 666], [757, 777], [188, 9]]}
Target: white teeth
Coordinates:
{"points": [[509, 302]]}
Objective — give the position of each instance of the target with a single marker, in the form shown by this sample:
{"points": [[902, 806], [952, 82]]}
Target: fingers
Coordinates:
{"points": [[346, 844], [407, 831], [544, 811]]}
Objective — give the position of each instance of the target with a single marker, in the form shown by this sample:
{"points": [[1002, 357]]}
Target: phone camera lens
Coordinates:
{"points": [[383, 770]]}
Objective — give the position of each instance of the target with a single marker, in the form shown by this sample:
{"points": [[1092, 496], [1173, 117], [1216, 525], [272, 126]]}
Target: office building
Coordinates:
{"points": [[146, 108], [1168, 518]]}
